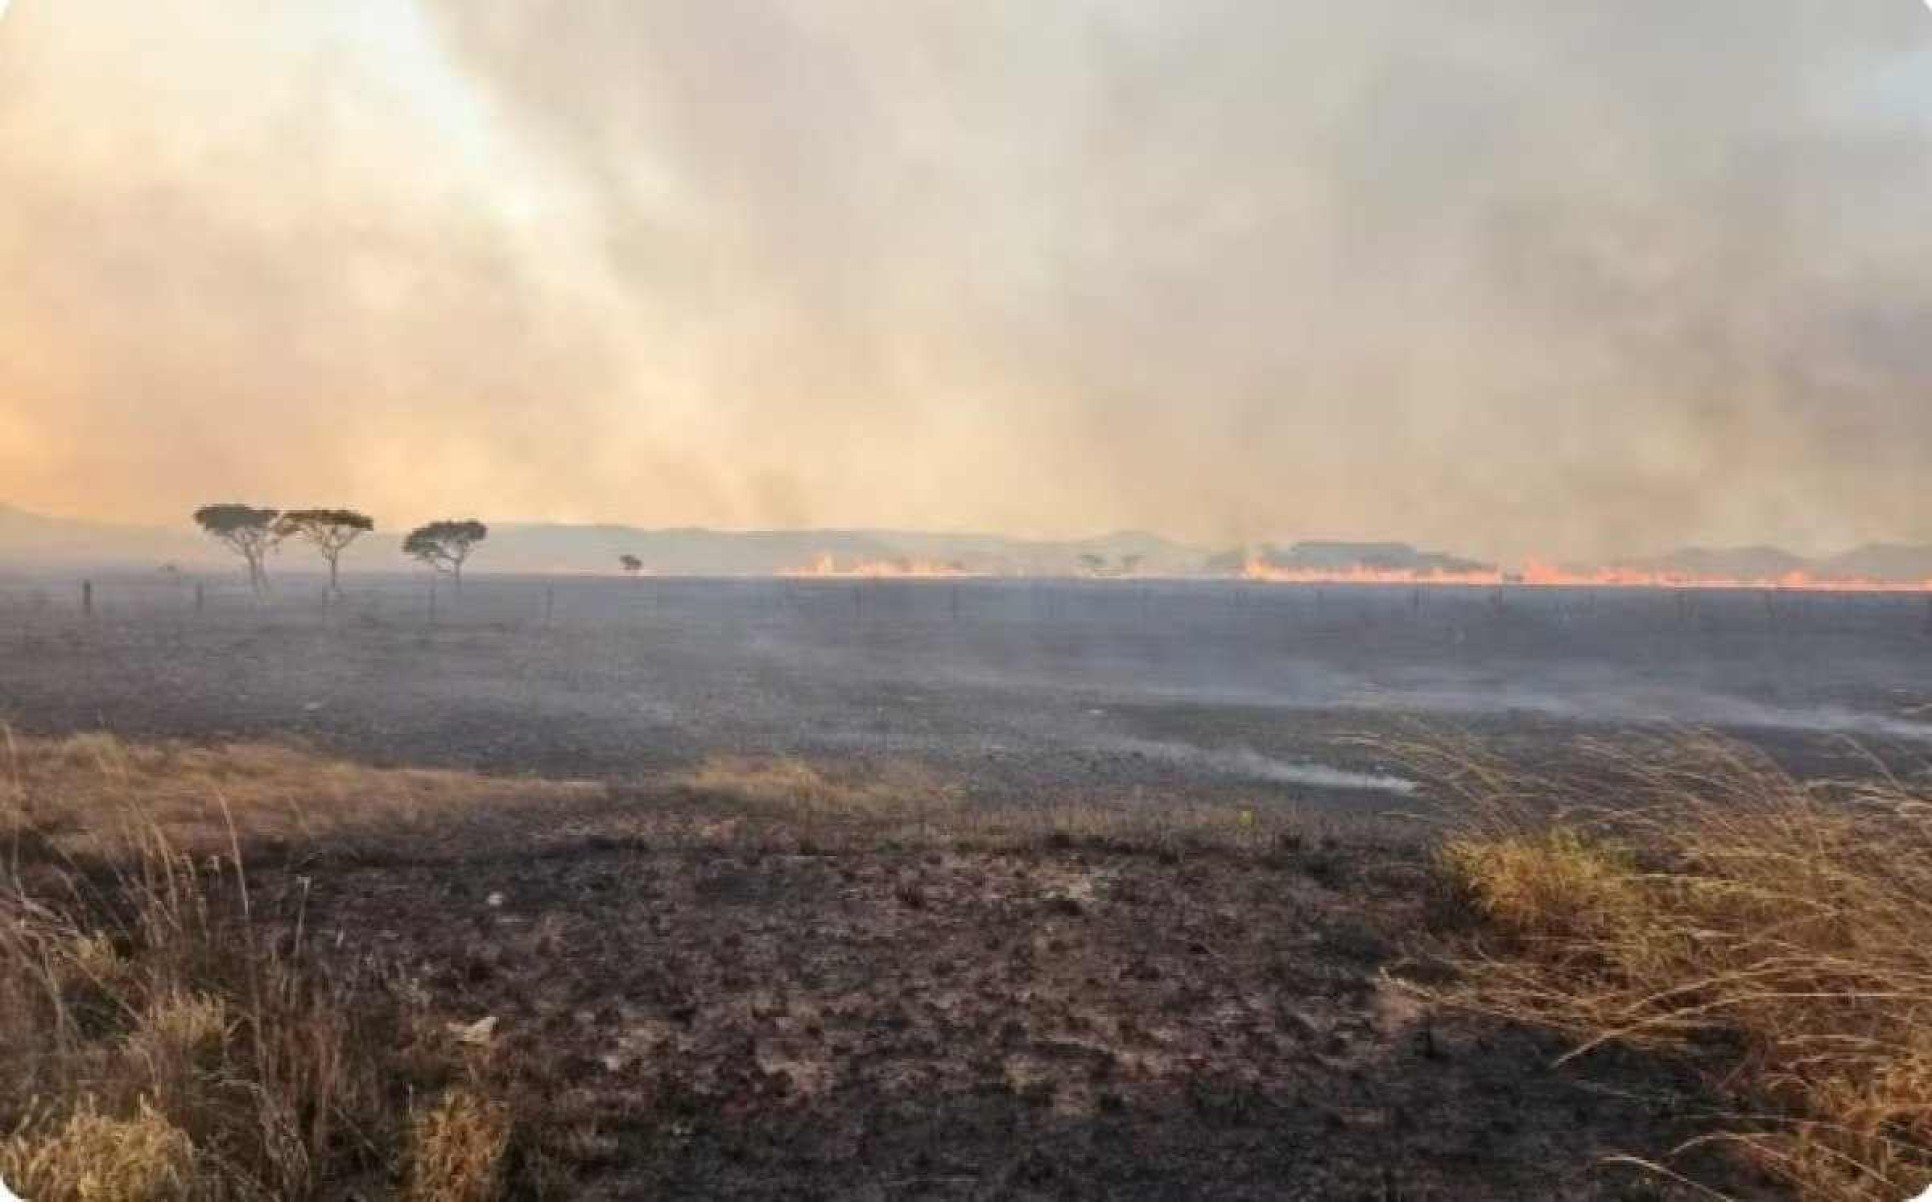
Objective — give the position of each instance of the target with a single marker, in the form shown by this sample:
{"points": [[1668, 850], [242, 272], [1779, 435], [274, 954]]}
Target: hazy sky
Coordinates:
{"points": [[1505, 276]]}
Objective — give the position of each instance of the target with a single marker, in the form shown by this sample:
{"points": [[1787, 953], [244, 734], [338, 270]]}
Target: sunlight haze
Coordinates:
{"points": [[1559, 278]]}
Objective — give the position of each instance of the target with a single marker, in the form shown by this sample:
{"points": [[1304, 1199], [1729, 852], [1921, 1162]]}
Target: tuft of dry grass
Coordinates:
{"points": [[165, 1032], [908, 803], [1689, 897], [802, 786], [90, 1156], [96, 794], [457, 1149]]}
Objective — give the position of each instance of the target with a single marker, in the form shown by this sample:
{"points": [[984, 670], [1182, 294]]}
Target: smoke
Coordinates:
{"points": [[1522, 276]]}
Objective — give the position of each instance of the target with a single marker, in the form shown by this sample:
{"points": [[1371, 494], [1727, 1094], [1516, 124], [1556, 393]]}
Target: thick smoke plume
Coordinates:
{"points": [[1525, 276]]}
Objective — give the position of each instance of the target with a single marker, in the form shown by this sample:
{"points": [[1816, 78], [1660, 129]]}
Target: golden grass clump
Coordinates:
{"points": [[1692, 898], [456, 1149], [90, 1157], [93, 793], [1550, 884], [164, 1032], [799, 786]]}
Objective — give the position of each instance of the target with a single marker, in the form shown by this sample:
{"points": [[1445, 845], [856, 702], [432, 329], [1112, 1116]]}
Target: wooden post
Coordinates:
{"points": [[87, 598]]}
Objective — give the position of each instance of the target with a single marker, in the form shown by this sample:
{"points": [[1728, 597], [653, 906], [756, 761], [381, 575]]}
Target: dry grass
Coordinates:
{"points": [[902, 802], [167, 1033], [142, 1158], [93, 793], [802, 787], [457, 1149], [1691, 898]]}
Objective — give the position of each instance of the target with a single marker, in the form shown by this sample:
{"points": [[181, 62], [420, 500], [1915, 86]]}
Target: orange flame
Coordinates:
{"points": [[1537, 574], [1258, 569], [825, 567]]}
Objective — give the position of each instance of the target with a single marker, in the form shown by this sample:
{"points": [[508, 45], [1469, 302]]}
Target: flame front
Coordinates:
{"points": [[826, 567], [1538, 574], [1257, 568]]}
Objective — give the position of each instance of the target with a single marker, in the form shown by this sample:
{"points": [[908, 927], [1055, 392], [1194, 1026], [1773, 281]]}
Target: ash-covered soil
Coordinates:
{"points": [[696, 997], [1024, 689]]}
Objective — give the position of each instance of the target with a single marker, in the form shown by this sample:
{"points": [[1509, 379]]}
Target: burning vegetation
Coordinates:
{"points": [[827, 567], [1537, 574]]}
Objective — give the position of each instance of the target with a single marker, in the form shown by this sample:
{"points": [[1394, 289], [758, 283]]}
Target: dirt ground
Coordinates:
{"points": [[705, 992], [1149, 949]]}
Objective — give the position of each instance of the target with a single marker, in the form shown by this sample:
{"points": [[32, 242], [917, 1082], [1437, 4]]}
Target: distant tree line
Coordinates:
{"points": [[255, 533]]}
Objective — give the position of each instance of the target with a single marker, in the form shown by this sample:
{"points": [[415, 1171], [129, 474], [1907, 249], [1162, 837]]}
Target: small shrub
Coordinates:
{"points": [[456, 1149]]}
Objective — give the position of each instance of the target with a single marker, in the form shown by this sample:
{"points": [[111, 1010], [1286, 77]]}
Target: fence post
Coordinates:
{"points": [[87, 598]]}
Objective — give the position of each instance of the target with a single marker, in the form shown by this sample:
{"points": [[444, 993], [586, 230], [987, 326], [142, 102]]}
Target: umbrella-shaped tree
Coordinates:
{"points": [[329, 531], [446, 546], [248, 531]]}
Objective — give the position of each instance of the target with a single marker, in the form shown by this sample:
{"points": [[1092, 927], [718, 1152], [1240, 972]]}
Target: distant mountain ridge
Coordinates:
{"points": [[26, 536], [1888, 563], [30, 540], [1738, 563]]}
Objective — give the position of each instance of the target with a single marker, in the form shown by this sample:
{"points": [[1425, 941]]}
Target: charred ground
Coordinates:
{"points": [[997, 890]]}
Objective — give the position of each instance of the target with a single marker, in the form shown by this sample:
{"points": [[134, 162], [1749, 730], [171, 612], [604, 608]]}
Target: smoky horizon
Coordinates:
{"points": [[1521, 280]]}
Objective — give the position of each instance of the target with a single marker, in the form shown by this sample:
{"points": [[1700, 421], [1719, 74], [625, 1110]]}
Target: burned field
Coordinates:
{"points": [[764, 980], [887, 891], [1028, 691]]}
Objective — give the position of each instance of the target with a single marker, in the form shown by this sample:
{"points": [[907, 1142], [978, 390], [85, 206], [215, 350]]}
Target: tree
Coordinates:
{"points": [[329, 530], [247, 531], [445, 546], [631, 564], [1094, 565]]}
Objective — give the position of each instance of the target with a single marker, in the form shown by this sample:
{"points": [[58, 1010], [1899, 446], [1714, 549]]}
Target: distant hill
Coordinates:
{"points": [[32, 540], [36, 539], [700, 552], [1730, 563], [1323, 556], [1891, 562], [1886, 563]]}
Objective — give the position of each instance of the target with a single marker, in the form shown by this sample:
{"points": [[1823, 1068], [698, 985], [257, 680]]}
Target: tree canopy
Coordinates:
{"points": [[249, 531], [445, 545], [330, 531]]}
